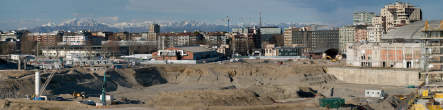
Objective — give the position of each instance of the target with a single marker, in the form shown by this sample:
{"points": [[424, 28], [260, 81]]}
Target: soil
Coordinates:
{"points": [[248, 85]]}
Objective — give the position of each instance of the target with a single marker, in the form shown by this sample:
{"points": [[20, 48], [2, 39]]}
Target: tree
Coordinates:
{"points": [[7, 48], [28, 45], [112, 48], [279, 40], [132, 46]]}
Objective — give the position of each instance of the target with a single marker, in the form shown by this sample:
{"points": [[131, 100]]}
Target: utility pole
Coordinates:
{"points": [[104, 89], [19, 63], [228, 23]]}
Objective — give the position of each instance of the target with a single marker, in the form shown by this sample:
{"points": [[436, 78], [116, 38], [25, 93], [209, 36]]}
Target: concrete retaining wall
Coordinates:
{"points": [[170, 62], [375, 76]]}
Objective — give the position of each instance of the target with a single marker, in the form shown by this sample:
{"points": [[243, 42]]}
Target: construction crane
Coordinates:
{"points": [[104, 90], [40, 90]]}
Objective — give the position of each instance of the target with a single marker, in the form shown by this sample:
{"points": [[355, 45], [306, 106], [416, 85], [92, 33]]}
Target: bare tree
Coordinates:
{"points": [[112, 47], [132, 46], [7, 48], [28, 45], [279, 40]]}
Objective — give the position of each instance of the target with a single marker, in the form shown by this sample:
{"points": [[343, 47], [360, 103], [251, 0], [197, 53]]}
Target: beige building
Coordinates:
{"points": [[287, 36], [375, 32], [399, 14], [270, 50], [346, 35]]}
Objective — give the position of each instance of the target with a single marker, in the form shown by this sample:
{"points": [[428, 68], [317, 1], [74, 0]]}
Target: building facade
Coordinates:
{"points": [[268, 34], [8, 36], [75, 38], [387, 55], [46, 39], [186, 53], [287, 36], [167, 40], [215, 38], [312, 41], [375, 33], [399, 14], [403, 47], [271, 50], [346, 35], [363, 17], [361, 33]]}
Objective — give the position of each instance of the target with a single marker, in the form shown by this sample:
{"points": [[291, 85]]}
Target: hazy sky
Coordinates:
{"points": [[28, 13]]}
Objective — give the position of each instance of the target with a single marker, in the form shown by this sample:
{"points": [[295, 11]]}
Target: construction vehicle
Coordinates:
{"points": [[330, 58], [79, 94]]}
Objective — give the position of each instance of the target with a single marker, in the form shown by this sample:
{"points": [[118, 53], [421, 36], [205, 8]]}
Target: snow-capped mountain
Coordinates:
{"points": [[77, 24]]}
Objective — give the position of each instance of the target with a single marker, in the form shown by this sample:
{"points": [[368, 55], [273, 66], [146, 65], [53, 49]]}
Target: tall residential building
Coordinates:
{"points": [[154, 28], [379, 20], [312, 41], [375, 32], [346, 34], [399, 14], [287, 37], [167, 40], [268, 34], [46, 39], [363, 17], [215, 38]]}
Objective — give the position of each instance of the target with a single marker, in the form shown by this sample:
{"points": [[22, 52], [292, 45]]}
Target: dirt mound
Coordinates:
{"points": [[22, 104], [8, 105], [239, 97], [76, 81], [14, 74], [10, 88]]}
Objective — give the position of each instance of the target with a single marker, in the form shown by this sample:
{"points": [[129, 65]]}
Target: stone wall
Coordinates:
{"points": [[392, 77]]}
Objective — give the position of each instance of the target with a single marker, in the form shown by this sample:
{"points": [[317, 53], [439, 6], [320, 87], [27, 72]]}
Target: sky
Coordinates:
{"points": [[28, 13]]}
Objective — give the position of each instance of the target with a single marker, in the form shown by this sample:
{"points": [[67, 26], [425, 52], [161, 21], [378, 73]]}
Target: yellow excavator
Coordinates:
{"points": [[79, 94], [332, 59]]}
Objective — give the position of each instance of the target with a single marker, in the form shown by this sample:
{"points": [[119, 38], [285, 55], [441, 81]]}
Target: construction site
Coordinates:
{"points": [[244, 85], [402, 72]]}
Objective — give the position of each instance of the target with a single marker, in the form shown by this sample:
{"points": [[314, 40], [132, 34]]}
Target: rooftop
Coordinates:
{"points": [[195, 49], [411, 31]]}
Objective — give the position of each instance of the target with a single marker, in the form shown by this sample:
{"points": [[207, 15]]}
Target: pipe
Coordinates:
{"points": [[37, 84]]}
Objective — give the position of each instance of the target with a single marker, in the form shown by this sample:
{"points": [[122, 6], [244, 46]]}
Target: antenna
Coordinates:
{"points": [[260, 19], [228, 23]]}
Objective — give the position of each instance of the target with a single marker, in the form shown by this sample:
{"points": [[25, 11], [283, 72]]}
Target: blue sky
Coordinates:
{"points": [[29, 13]]}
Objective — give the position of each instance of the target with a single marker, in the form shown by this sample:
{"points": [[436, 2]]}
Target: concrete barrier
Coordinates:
{"points": [[170, 62], [393, 77]]}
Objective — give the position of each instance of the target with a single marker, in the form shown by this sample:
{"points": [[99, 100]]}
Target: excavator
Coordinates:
{"points": [[79, 94]]}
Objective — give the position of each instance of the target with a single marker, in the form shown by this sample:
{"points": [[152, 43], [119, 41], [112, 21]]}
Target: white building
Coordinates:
{"points": [[346, 35], [270, 50], [375, 32], [386, 55], [66, 53], [374, 93], [76, 39], [363, 17], [8, 35]]}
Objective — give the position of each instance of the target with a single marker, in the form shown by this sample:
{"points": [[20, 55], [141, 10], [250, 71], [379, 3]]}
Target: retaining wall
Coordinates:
{"points": [[375, 76]]}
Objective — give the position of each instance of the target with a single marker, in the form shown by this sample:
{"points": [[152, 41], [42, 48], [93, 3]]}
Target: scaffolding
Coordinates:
{"points": [[432, 52]]}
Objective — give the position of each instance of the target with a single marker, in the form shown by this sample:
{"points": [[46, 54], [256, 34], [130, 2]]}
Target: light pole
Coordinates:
{"points": [[104, 89]]}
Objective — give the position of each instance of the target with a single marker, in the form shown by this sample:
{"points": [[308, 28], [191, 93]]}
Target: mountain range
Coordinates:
{"points": [[77, 24]]}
